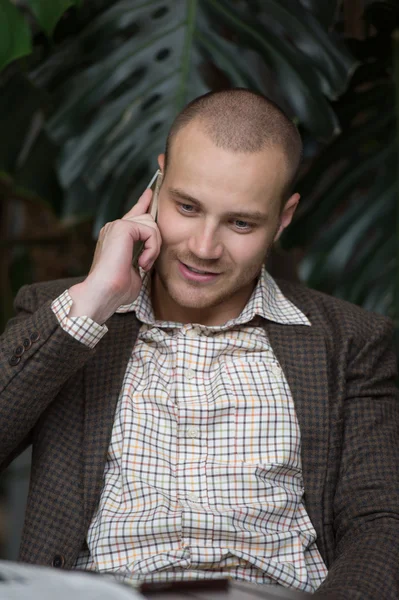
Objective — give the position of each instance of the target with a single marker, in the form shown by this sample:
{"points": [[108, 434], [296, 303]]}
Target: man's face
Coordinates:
{"points": [[219, 213]]}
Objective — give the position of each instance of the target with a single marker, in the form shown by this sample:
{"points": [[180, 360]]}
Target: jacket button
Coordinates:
{"points": [[27, 343], [14, 361], [35, 336], [58, 561], [19, 350]]}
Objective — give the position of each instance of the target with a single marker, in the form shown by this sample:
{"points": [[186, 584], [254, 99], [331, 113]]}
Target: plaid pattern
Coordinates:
{"points": [[62, 397], [203, 476], [83, 329], [267, 301]]}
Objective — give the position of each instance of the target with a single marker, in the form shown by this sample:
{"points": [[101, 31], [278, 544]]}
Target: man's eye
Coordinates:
{"points": [[242, 224], [186, 207]]}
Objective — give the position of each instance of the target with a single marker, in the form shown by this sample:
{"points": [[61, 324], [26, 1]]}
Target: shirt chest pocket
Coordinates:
{"points": [[263, 425]]}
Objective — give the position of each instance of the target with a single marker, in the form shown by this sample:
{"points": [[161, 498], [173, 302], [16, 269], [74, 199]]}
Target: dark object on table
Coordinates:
{"points": [[217, 589]]}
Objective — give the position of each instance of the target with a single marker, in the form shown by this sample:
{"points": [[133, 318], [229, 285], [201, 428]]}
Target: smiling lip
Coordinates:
{"points": [[198, 277]]}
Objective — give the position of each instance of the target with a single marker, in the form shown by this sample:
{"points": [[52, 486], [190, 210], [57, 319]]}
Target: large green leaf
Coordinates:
{"points": [[333, 63], [49, 12], [15, 37], [159, 46], [354, 257], [233, 63], [365, 267], [347, 217], [375, 107], [293, 71], [323, 10], [142, 62], [328, 259], [122, 188], [341, 188]]}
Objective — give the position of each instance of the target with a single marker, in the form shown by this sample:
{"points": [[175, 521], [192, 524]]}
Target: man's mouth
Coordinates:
{"points": [[194, 275], [201, 272]]}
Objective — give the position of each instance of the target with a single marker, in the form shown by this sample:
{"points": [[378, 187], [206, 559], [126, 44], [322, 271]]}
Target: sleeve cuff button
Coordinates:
{"points": [[14, 360], [27, 343]]}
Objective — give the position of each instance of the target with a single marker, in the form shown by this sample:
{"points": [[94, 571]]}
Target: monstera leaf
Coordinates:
{"points": [[347, 218], [15, 34], [15, 39], [117, 86], [49, 13]]}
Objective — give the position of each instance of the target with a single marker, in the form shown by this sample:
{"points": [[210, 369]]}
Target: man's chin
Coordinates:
{"points": [[191, 295], [195, 300]]}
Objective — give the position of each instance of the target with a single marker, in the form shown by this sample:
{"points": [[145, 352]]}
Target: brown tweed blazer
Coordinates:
{"points": [[61, 397]]}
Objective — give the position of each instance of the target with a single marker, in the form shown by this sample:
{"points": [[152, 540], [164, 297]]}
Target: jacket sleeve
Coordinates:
{"points": [[366, 503], [36, 358]]}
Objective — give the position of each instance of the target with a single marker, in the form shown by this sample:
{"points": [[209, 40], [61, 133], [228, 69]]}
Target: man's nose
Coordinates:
{"points": [[205, 243]]}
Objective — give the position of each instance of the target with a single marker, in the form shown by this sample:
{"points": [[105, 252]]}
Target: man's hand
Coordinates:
{"points": [[112, 280]]}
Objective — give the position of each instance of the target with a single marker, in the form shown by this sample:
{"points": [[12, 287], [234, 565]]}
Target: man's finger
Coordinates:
{"points": [[148, 222], [151, 240], [141, 206]]}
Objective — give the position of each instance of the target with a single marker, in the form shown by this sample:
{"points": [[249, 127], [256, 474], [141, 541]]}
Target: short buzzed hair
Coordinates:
{"points": [[241, 120]]}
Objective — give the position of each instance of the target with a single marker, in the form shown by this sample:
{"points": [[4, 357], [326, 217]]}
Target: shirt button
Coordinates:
{"points": [[190, 373], [276, 370], [193, 497], [192, 333], [193, 432]]}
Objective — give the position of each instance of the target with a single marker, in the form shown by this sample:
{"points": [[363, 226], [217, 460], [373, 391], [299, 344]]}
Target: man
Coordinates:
{"points": [[196, 419]]}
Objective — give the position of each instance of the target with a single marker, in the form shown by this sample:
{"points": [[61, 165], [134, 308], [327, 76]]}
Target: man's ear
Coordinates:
{"points": [[161, 162], [287, 214]]}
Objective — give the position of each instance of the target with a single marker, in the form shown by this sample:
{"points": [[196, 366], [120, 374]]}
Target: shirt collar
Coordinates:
{"points": [[267, 301]]}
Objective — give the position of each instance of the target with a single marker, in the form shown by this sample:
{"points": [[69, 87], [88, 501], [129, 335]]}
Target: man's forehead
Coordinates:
{"points": [[267, 167]]}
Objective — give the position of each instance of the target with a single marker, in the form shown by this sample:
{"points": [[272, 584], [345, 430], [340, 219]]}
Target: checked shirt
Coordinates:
{"points": [[203, 476]]}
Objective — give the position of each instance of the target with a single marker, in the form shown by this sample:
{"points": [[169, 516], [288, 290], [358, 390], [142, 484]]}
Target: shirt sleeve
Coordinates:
{"points": [[83, 329]]}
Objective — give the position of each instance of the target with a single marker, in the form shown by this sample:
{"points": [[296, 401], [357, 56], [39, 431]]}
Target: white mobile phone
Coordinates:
{"points": [[155, 185]]}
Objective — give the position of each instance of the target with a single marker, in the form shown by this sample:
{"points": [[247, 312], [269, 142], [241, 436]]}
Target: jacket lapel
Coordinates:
{"points": [[302, 355], [103, 381]]}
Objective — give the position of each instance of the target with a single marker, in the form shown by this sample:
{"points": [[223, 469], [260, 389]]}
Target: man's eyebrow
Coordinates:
{"points": [[245, 215]]}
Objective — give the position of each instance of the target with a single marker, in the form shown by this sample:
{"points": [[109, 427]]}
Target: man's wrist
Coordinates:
{"points": [[88, 301]]}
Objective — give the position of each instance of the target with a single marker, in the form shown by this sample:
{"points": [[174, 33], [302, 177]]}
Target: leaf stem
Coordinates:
{"points": [[395, 308], [191, 17]]}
